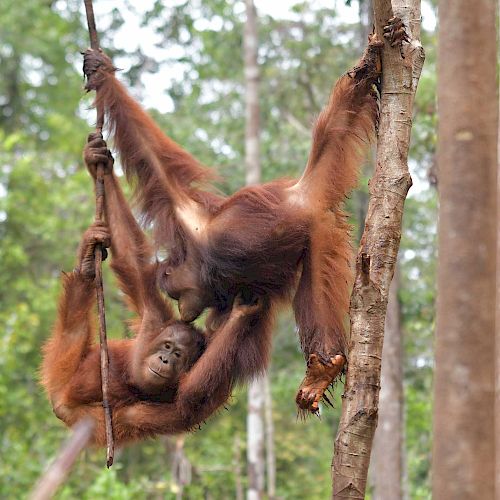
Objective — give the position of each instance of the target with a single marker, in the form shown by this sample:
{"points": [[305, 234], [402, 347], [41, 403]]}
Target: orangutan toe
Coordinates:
{"points": [[395, 32], [318, 378]]}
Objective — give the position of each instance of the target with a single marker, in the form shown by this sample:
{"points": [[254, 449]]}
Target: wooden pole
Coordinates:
{"points": [[99, 210], [378, 251]]}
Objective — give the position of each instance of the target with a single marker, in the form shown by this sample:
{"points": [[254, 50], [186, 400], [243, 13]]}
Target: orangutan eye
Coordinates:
{"points": [[167, 345], [177, 354]]}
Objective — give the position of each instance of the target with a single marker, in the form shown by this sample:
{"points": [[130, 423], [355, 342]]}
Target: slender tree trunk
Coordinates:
{"points": [[270, 455], [464, 440], [387, 466], [255, 440], [237, 468], [497, 326], [252, 109], [365, 13], [387, 460], [256, 389], [386, 472], [497, 341], [182, 469], [378, 252]]}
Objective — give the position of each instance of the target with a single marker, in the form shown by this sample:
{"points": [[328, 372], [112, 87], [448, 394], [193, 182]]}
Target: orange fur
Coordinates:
{"points": [[71, 372], [285, 241], [71, 364]]}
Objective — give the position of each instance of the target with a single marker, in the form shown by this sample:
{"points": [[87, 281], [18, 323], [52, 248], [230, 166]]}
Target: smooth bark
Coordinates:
{"points": [[239, 495], [378, 252], [256, 389], [387, 460], [269, 431], [464, 439], [252, 107], [255, 440], [497, 325]]}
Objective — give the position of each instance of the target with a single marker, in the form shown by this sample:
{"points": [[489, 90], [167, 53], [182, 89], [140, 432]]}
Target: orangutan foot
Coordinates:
{"points": [[317, 380], [369, 67], [395, 32]]}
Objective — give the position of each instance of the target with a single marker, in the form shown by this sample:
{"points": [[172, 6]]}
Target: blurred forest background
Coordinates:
{"points": [[46, 201]]}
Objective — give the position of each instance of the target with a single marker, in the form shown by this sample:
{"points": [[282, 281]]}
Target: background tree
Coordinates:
{"points": [[387, 458], [257, 387], [464, 435], [497, 318]]}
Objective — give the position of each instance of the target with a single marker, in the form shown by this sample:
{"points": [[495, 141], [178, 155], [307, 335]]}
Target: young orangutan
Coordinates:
{"points": [[145, 371], [287, 241]]}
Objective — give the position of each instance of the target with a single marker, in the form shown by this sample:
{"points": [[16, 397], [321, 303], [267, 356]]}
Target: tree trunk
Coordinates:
{"points": [[255, 439], [464, 439], [365, 13], [256, 389], [387, 466], [252, 109], [237, 468], [270, 455], [181, 467], [387, 461], [378, 252], [497, 325]]}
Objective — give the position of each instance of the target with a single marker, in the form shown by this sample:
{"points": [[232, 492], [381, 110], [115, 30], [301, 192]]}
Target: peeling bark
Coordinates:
{"points": [[378, 252]]}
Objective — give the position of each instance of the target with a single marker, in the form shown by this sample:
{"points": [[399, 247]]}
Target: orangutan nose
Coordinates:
{"points": [[168, 270], [164, 359], [190, 305]]}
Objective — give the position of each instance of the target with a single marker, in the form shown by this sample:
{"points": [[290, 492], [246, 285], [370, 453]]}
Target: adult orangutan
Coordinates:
{"points": [[151, 391], [285, 241]]}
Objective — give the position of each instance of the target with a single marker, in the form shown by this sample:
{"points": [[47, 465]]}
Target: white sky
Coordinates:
{"points": [[132, 36]]}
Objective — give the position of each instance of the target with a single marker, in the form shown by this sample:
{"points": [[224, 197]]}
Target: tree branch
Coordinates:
{"points": [[378, 251], [57, 472]]}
